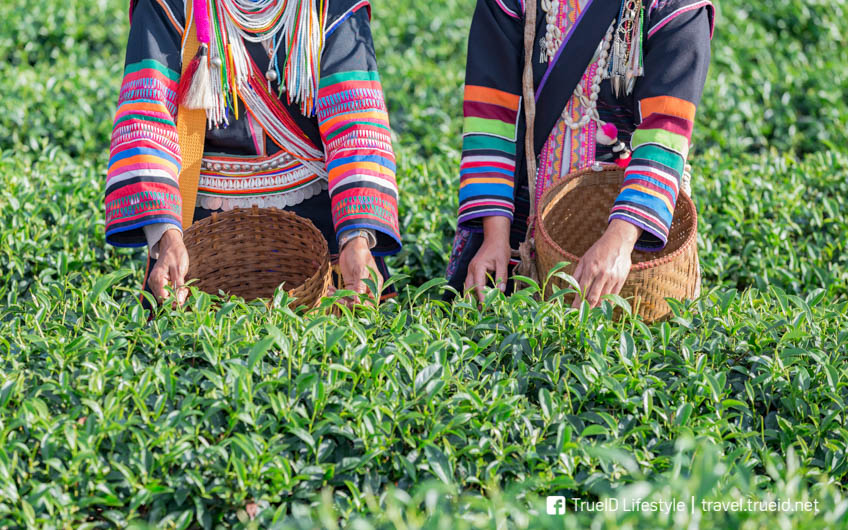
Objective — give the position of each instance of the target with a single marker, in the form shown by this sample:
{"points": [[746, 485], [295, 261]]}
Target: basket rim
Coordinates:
{"points": [[645, 265]]}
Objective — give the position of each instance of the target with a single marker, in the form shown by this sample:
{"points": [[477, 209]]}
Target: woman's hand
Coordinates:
{"points": [[171, 267], [492, 258], [356, 263], [605, 266]]}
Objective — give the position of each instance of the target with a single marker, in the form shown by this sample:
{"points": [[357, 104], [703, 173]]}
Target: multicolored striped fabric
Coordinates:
{"points": [[242, 165], [660, 147], [354, 127], [144, 165], [487, 170]]}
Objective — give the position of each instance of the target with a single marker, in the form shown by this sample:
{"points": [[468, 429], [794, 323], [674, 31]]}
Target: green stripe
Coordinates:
{"points": [[152, 65], [141, 117], [665, 157], [670, 140], [477, 141], [495, 127], [356, 75], [348, 125]]}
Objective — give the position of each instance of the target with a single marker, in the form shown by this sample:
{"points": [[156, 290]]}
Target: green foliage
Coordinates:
{"points": [[420, 413]]}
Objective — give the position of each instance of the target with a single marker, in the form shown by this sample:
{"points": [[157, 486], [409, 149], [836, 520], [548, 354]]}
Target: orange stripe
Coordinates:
{"points": [[486, 181], [172, 19], [490, 95], [374, 115], [669, 105], [379, 169], [144, 105]]}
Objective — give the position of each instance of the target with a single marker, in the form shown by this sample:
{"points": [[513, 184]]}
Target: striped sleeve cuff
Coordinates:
{"points": [[652, 179], [361, 166], [487, 170]]}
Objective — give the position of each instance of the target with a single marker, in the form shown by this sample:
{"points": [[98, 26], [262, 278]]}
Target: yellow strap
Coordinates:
{"points": [[191, 129]]}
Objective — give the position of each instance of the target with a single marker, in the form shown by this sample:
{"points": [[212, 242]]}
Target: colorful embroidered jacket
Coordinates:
{"points": [[656, 118], [241, 164]]}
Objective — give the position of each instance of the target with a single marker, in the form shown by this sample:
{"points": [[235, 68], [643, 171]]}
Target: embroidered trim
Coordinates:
{"points": [[277, 176]]}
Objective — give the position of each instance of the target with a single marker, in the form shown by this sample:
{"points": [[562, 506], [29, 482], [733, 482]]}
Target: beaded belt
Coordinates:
{"points": [[277, 181]]}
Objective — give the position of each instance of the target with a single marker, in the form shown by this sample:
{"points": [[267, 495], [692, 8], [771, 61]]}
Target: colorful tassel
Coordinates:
{"points": [[195, 88]]}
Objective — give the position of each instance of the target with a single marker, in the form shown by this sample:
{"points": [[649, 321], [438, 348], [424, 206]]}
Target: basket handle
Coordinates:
{"points": [[191, 130]]}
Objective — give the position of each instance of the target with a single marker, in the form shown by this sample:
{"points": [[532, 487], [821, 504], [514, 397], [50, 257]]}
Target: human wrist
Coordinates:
{"points": [[363, 236], [496, 229], [628, 233], [170, 237]]}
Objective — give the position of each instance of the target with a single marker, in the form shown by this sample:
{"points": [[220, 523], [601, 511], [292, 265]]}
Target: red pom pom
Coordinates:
{"points": [[623, 162]]}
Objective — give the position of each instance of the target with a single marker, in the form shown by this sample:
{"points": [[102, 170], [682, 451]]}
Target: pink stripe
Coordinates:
{"points": [[682, 10], [259, 149], [508, 11], [672, 124], [466, 165], [630, 174], [475, 204]]}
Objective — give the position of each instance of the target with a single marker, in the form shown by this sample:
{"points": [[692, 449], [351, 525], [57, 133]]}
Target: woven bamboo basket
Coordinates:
{"points": [[251, 252], [573, 215]]}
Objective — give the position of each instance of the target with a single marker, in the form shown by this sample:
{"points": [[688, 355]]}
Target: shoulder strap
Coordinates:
{"points": [[191, 130]]}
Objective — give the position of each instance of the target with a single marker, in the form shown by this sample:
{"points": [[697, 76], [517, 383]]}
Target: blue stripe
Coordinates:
{"points": [[474, 191], [144, 151], [377, 159], [652, 204]]}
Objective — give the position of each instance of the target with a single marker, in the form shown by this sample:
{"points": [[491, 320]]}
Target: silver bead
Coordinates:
{"points": [[217, 62], [271, 75]]}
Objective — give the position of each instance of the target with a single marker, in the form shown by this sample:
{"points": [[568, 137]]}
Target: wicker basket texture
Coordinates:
{"points": [[251, 252], [573, 214]]}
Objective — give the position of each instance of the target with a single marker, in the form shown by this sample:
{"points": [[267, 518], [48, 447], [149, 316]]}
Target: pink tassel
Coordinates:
{"points": [[201, 17], [607, 135]]}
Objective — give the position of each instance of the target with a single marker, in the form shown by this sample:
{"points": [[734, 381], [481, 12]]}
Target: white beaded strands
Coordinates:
{"points": [[607, 133], [294, 25], [297, 26]]}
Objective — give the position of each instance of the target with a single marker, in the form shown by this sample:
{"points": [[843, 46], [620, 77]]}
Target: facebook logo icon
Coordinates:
{"points": [[556, 505]]}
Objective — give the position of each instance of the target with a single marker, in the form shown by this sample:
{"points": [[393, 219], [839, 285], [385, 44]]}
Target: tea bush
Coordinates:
{"points": [[418, 413]]}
